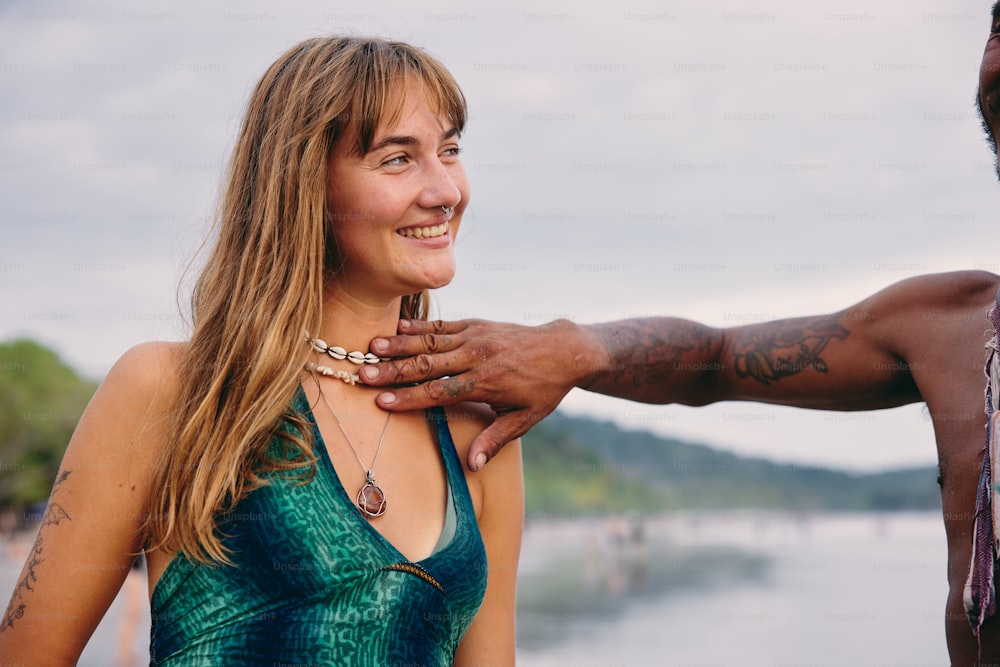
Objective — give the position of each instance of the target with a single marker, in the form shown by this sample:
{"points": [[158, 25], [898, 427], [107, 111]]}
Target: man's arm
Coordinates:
{"points": [[855, 359]]}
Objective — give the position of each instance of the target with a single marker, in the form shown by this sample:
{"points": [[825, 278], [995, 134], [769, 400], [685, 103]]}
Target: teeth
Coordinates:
{"points": [[424, 232]]}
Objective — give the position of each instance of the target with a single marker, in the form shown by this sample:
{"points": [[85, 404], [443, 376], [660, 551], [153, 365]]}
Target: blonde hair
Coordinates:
{"points": [[262, 285]]}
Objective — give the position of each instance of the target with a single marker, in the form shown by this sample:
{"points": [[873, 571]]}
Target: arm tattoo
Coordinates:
{"points": [[650, 351], [54, 515], [786, 348]]}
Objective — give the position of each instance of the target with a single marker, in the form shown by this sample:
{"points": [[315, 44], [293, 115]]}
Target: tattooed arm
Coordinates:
{"points": [[87, 538], [854, 359]]}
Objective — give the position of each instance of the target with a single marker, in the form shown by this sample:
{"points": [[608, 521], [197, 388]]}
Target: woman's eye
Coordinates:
{"points": [[395, 161]]}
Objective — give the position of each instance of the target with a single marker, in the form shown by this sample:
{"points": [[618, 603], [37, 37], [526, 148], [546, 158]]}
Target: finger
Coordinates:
{"points": [[411, 327], [400, 371], [420, 367], [439, 392], [418, 337], [492, 439]]}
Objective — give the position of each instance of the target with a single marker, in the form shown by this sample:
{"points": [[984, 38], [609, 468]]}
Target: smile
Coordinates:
{"points": [[424, 232]]}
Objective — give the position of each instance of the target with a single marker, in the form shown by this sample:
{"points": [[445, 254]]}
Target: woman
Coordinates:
{"points": [[283, 516]]}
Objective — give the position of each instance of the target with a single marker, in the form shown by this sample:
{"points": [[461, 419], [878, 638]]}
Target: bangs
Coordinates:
{"points": [[384, 69]]}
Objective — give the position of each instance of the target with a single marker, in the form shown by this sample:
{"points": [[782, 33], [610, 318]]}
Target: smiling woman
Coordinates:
{"points": [[273, 533]]}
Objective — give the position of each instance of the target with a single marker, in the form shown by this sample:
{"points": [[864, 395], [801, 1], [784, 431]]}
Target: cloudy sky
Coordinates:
{"points": [[725, 161]]}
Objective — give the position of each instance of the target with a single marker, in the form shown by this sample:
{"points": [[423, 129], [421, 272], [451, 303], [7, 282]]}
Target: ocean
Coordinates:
{"points": [[745, 589], [705, 589]]}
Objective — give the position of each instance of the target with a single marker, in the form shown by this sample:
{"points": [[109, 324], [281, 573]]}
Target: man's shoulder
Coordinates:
{"points": [[972, 282], [953, 290]]}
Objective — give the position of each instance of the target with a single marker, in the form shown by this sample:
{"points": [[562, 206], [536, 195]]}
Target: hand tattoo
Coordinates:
{"points": [[455, 387]]}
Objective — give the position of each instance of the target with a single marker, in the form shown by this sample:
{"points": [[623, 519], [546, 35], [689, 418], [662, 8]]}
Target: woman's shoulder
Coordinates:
{"points": [[150, 367], [144, 381]]}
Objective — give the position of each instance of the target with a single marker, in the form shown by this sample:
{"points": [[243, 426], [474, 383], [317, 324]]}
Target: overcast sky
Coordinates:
{"points": [[723, 161]]}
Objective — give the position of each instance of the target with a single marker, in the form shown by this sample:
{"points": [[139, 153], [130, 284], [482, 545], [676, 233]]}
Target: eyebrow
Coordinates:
{"points": [[410, 141]]}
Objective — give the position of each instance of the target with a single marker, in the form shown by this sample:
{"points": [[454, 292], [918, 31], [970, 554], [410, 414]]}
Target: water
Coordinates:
{"points": [[706, 590], [834, 590]]}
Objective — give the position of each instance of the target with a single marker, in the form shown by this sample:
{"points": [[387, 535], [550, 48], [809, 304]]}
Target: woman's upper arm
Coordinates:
{"points": [[490, 638], [87, 539]]}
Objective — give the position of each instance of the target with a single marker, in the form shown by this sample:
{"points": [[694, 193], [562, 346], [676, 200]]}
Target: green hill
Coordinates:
{"points": [[41, 399], [575, 465]]}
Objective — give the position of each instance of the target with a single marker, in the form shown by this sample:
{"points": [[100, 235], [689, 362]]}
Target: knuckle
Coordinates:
{"points": [[422, 364], [495, 447], [435, 343], [430, 343], [480, 350]]}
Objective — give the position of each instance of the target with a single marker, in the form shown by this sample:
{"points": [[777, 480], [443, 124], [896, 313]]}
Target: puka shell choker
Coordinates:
{"points": [[340, 354]]}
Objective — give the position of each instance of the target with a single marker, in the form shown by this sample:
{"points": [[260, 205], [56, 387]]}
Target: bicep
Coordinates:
{"points": [[848, 360], [491, 636]]}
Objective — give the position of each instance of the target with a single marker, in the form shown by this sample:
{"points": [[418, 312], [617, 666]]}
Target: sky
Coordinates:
{"points": [[728, 162]]}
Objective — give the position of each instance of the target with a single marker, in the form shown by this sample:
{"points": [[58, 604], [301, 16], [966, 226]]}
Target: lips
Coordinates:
{"points": [[424, 232]]}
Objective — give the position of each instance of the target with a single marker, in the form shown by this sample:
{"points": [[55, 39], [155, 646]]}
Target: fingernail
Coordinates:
{"points": [[368, 373], [404, 325], [480, 460], [379, 345], [387, 398]]}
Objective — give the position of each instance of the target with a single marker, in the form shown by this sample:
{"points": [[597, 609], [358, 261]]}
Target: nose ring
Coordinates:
{"points": [[448, 210]]}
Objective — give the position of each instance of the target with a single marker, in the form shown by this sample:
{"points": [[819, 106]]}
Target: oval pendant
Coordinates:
{"points": [[371, 499]]}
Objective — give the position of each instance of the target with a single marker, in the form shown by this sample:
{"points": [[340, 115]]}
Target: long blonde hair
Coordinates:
{"points": [[262, 284]]}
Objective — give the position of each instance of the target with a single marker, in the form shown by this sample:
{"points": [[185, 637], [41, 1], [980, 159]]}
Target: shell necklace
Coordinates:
{"points": [[371, 499], [339, 353]]}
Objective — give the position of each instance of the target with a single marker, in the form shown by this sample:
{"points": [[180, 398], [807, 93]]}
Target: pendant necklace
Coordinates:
{"points": [[371, 498]]}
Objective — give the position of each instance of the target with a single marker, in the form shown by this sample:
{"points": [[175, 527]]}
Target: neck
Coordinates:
{"points": [[351, 323]]}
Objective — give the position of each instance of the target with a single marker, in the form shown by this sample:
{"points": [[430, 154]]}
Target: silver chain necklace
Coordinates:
{"points": [[371, 499]]}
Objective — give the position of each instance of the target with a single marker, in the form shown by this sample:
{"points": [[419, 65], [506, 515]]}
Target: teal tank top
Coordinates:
{"points": [[315, 584]]}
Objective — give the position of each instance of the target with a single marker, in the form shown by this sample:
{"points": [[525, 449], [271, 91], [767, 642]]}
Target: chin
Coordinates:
{"points": [[439, 280]]}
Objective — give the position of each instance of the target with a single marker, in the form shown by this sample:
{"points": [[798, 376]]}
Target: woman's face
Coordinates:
{"points": [[393, 236]]}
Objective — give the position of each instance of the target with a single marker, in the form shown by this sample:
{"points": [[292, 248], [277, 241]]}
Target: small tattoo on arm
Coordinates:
{"points": [[54, 515], [63, 476], [776, 352]]}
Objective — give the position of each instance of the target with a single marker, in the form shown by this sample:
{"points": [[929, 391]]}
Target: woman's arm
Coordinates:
{"points": [[490, 638], [88, 537]]}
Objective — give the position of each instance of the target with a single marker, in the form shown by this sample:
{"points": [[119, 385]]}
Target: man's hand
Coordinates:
{"points": [[521, 372]]}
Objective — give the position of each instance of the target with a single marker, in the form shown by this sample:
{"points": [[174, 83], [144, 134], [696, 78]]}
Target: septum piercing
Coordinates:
{"points": [[448, 210]]}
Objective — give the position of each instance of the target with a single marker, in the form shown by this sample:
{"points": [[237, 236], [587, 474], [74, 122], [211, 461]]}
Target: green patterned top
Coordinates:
{"points": [[316, 584]]}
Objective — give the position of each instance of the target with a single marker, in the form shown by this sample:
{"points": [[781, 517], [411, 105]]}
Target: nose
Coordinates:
{"points": [[442, 185]]}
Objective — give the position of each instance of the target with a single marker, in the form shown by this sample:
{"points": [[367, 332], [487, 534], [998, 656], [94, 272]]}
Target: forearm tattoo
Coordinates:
{"points": [[781, 349], [650, 352], [54, 515]]}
